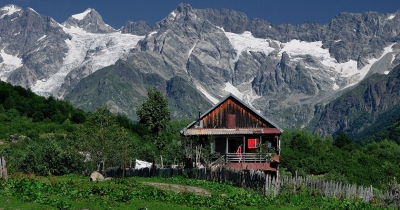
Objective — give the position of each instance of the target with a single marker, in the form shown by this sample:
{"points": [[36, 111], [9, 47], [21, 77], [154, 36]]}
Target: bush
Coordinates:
{"points": [[47, 157]]}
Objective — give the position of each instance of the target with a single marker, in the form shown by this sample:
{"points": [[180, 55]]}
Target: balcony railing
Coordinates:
{"points": [[247, 157]]}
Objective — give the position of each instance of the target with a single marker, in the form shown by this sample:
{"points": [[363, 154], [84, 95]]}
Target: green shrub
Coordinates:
{"points": [[46, 157]]}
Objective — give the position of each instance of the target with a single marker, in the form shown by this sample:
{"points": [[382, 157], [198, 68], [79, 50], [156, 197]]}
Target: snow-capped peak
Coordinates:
{"points": [[82, 15], [391, 16], [32, 10], [89, 20], [9, 10]]}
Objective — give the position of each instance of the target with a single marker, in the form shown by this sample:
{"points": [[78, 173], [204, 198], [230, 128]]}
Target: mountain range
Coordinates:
{"points": [[326, 78]]}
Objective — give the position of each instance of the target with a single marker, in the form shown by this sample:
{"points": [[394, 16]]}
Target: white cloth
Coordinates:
{"points": [[142, 164]]}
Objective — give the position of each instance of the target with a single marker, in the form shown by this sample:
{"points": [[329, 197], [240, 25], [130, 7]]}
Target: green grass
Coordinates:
{"points": [[76, 192], [11, 202]]}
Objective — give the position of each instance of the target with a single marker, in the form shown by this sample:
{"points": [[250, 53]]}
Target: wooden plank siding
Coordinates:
{"points": [[244, 117], [232, 123]]}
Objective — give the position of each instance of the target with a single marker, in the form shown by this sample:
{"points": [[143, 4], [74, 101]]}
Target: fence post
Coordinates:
{"points": [[267, 184], [3, 167]]}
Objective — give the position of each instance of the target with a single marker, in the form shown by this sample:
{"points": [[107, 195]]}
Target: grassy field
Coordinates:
{"points": [[76, 192]]}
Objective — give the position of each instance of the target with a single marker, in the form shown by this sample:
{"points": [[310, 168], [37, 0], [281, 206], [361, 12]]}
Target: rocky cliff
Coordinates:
{"points": [[364, 109], [287, 72]]}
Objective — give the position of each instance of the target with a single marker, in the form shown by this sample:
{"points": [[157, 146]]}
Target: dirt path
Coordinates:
{"points": [[179, 188]]}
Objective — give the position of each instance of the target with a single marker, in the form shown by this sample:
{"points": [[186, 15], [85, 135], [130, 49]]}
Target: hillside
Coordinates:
{"points": [[56, 131], [122, 88], [391, 132], [363, 110]]}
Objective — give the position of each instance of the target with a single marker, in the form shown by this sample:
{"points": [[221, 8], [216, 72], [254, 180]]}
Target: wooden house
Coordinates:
{"points": [[232, 123]]}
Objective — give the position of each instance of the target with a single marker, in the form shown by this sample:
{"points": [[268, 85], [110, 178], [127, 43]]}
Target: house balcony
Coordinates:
{"points": [[251, 157], [247, 161]]}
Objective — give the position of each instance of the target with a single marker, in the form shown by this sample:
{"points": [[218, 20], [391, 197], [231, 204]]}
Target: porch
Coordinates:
{"points": [[247, 161], [253, 148], [251, 157]]}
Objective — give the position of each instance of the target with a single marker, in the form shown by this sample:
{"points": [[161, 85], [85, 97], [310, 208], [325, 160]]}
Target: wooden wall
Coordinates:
{"points": [[231, 109]]}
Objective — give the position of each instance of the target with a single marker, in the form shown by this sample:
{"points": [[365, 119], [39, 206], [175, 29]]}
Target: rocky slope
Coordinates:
{"points": [[198, 56], [364, 109], [121, 87], [32, 46], [51, 58]]}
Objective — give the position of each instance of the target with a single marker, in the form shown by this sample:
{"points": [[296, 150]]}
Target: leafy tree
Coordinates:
{"points": [[342, 140], [102, 138], [2, 110], [44, 157], [78, 116], [154, 111]]}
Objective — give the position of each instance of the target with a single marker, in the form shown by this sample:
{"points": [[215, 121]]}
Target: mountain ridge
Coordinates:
{"points": [[362, 107], [287, 72]]}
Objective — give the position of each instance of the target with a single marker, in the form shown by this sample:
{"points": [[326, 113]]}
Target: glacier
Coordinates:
{"points": [[9, 64], [297, 50], [96, 50]]}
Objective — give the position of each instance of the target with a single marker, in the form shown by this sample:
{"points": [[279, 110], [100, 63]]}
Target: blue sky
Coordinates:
{"points": [[117, 13]]}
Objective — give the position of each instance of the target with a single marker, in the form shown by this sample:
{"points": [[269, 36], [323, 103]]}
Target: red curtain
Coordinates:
{"points": [[251, 143]]}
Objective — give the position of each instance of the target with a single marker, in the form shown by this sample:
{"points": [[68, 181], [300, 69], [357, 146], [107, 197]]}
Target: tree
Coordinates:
{"points": [[154, 111], [342, 140], [103, 138]]}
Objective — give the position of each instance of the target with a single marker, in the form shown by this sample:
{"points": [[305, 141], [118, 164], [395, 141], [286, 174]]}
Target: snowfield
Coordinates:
{"points": [[206, 94], [246, 42], [9, 10], [297, 50], [9, 64], [96, 50]]}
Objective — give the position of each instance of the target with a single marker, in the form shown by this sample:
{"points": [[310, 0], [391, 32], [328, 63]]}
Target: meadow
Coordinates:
{"points": [[77, 192]]}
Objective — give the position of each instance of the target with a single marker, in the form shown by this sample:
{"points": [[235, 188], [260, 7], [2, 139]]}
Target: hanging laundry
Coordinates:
{"points": [[251, 143]]}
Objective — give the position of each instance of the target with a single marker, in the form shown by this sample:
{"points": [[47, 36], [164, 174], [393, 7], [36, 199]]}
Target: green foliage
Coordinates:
{"points": [[17, 101], [24, 113], [154, 111], [105, 136], [47, 157], [342, 140], [265, 150], [102, 138], [391, 132], [72, 192], [57, 131], [372, 164]]}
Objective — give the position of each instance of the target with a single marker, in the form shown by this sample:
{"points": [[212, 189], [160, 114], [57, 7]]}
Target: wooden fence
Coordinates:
{"points": [[3, 168], [267, 184]]}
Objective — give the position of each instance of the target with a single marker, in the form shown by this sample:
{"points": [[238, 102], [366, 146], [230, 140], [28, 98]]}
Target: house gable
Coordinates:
{"points": [[232, 113]]}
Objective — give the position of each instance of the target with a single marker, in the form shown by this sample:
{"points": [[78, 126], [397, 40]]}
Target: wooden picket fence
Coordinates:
{"points": [[3, 168], [267, 184]]}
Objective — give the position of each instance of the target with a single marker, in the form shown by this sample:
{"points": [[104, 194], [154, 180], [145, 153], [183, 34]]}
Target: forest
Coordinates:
{"points": [[46, 136]]}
